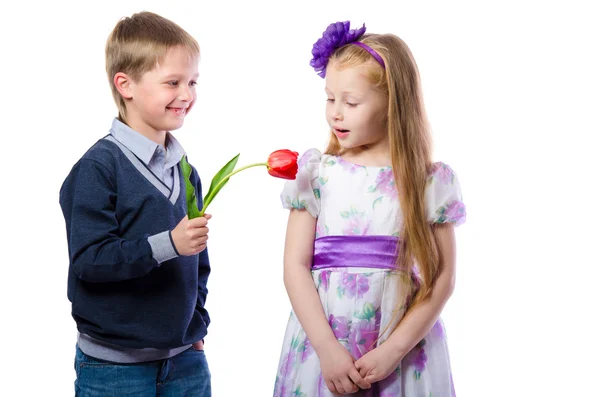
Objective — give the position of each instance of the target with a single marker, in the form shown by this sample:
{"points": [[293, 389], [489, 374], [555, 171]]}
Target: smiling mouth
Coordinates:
{"points": [[178, 111]]}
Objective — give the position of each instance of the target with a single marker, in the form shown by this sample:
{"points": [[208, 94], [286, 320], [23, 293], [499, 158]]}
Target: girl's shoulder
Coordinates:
{"points": [[443, 195]]}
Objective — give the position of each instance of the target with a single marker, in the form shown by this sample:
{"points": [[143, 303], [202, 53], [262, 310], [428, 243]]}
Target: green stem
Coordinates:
{"points": [[212, 194]]}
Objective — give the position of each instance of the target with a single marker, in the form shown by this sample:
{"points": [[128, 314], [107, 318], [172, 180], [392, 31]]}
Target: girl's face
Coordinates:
{"points": [[356, 111]]}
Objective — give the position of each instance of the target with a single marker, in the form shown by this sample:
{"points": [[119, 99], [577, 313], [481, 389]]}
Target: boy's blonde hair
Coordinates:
{"points": [[138, 43]]}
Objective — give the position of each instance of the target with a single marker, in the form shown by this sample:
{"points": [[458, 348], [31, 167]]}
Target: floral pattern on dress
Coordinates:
{"points": [[453, 211], [417, 359], [364, 305], [443, 173], [357, 223], [353, 285], [385, 183]]}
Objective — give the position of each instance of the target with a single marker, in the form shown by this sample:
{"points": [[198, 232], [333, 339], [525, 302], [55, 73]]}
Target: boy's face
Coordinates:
{"points": [[162, 97]]}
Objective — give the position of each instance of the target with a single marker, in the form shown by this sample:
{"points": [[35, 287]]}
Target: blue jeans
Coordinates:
{"points": [[185, 375]]}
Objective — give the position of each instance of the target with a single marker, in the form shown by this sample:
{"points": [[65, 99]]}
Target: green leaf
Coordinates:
{"points": [[218, 181], [190, 193], [368, 311], [377, 201], [226, 170], [295, 342]]}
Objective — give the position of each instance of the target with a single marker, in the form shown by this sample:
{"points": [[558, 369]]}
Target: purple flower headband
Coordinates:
{"points": [[337, 35]]}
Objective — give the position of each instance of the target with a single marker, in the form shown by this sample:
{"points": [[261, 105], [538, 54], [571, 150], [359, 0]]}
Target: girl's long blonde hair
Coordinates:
{"points": [[410, 146]]}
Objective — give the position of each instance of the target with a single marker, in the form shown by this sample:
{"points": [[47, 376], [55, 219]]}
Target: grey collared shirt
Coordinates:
{"points": [[159, 160], [161, 163]]}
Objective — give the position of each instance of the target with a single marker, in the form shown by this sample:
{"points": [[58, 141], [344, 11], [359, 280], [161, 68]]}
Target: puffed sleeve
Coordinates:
{"points": [[443, 197], [303, 193]]}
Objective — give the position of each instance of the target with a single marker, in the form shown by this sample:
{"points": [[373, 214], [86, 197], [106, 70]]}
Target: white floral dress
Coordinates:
{"points": [[358, 224]]}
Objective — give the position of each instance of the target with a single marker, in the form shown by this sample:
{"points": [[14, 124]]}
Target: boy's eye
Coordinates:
{"points": [[329, 99], [173, 83], [193, 83], [351, 104]]}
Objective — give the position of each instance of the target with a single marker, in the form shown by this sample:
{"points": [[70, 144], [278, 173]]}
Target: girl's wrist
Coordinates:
{"points": [[322, 343], [397, 347]]}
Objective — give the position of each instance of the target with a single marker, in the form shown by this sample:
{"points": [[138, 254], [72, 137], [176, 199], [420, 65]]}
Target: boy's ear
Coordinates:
{"points": [[124, 85]]}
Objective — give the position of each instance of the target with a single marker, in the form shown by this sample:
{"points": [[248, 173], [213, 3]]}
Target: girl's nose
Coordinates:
{"points": [[337, 115]]}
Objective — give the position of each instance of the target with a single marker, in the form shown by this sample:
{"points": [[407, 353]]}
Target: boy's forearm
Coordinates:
{"points": [[307, 306], [113, 259]]}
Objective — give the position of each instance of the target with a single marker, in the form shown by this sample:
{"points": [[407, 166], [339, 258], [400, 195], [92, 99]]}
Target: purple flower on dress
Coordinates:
{"points": [[356, 223], [287, 364], [337, 35], [390, 386], [322, 389], [340, 326], [354, 284], [454, 211], [385, 183], [438, 329], [304, 159], [350, 167], [283, 388], [321, 229], [306, 349], [363, 335], [417, 358], [324, 279], [443, 173]]}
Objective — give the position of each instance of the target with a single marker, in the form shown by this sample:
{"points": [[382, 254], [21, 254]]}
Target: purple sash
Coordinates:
{"points": [[378, 252]]}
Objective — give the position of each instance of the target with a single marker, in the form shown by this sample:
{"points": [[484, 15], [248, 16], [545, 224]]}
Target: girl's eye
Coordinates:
{"points": [[329, 99], [172, 83], [193, 83], [351, 104]]}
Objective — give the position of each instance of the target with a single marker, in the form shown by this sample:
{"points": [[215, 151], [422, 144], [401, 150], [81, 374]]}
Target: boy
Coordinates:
{"points": [[138, 267]]}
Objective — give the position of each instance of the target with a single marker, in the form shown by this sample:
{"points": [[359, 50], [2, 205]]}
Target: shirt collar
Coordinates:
{"points": [[143, 147], [174, 151]]}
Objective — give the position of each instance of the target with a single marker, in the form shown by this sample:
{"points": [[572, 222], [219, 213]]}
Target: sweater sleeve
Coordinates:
{"points": [[203, 261], [96, 251]]}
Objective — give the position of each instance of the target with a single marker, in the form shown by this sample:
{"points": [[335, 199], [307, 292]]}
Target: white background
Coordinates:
{"points": [[512, 91]]}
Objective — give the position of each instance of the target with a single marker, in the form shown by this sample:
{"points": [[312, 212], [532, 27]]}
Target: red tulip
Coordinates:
{"points": [[283, 164]]}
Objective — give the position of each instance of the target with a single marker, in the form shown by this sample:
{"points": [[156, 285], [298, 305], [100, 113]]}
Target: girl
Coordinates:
{"points": [[369, 254]]}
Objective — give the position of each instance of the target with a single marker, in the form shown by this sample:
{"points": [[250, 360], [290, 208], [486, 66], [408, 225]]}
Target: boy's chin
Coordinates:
{"points": [[173, 125]]}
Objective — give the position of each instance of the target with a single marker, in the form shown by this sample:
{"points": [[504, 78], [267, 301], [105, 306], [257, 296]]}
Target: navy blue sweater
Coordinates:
{"points": [[120, 294]]}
